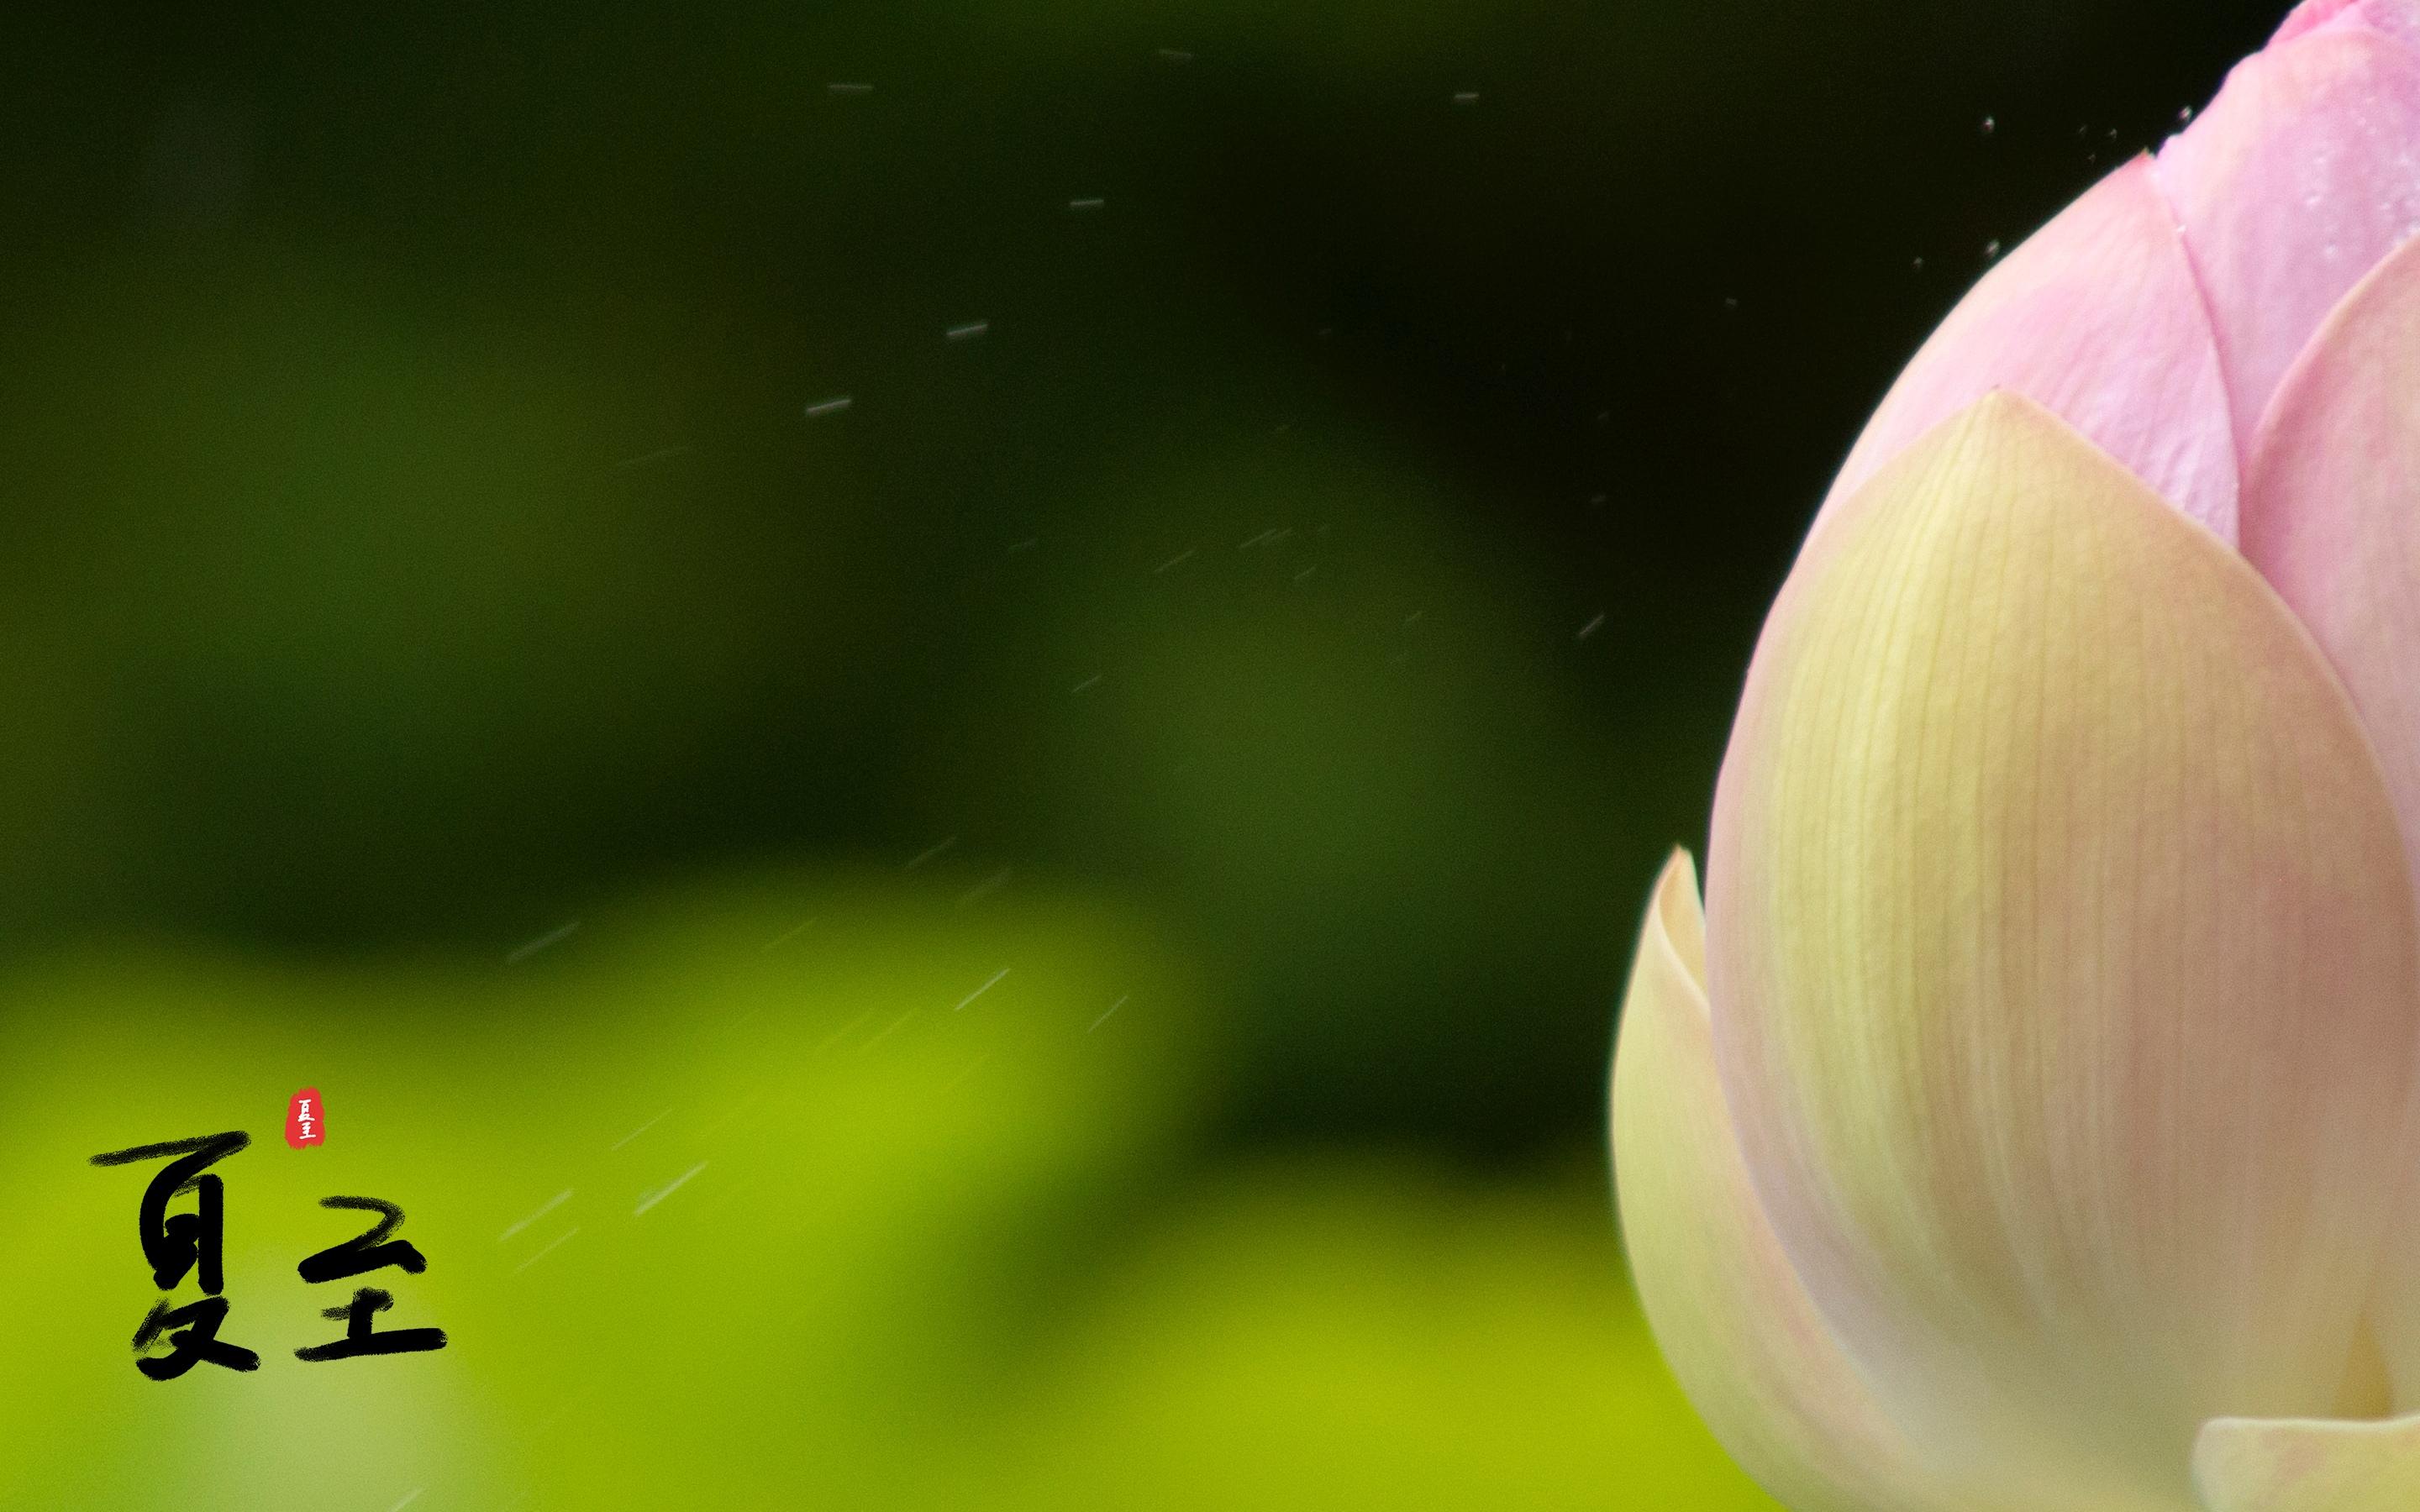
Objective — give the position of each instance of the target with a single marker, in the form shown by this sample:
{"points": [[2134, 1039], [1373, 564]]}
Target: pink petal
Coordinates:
{"points": [[2312, 14], [2330, 515], [2097, 318], [2303, 175], [2398, 19]]}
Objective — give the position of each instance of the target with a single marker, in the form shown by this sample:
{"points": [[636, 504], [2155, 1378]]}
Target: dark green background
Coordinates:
{"points": [[412, 538]]}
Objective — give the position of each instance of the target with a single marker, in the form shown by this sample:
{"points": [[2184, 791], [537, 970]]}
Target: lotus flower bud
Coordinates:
{"points": [[2026, 1119]]}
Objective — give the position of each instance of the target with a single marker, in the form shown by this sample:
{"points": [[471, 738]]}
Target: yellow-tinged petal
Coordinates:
{"points": [[2308, 1465], [2063, 952], [1758, 1364]]}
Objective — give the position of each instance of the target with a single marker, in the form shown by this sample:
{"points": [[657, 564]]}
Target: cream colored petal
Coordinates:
{"points": [[1760, 1365], [2065, 955], [2394, 1307], [2308, 1465]]}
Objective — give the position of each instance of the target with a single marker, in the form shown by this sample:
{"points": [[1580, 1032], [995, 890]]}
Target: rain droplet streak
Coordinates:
{"points": [[550, 1204], [551, 1246], [986, 887], [996, 977], [552, 937], [888, 1030], [844, 1031], [793, 932], [637, 1132], [661, 1193]]}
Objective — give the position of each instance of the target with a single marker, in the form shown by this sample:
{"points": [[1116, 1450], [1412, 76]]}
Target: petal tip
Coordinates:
{"points": [[1677, 913]]}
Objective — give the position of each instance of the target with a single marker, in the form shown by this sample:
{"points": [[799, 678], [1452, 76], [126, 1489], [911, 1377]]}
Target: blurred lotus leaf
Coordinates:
{"points": [[786, 1196], [1353, 1334], [727, 1203]]}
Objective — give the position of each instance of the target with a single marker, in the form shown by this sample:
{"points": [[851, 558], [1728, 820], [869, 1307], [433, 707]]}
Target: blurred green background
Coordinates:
{"points": [[573, 570]]}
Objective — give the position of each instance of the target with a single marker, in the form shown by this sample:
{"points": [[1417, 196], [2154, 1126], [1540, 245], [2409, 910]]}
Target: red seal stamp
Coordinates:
{"points": [[306, 1119]]}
